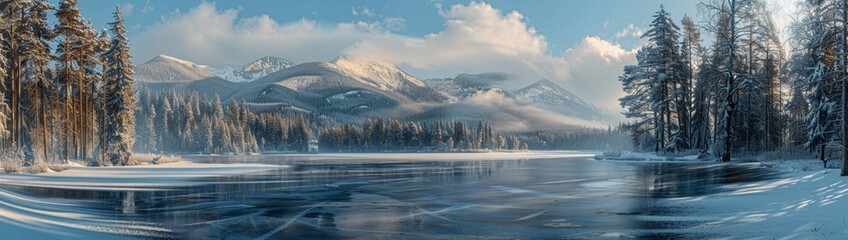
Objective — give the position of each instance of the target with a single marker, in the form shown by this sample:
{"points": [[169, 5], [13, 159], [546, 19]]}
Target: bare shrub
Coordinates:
{"points": [[59, 167], [11, 166], [163, 159], [37, 168]]}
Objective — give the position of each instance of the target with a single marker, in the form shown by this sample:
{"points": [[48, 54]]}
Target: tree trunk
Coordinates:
{"points": [[44, 122], [730, 105], [844, 59]]}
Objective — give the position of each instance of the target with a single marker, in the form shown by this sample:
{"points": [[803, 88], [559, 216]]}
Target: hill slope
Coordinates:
{"points": [[164, 68]]}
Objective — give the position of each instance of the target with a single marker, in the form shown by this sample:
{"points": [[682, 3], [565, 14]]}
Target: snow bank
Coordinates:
{"points": [[645, 157], [407, 157], [132, 178], [808, 202]]}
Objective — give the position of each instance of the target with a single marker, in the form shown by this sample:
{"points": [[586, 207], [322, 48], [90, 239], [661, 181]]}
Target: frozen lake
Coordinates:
{"points": [[393, 197]]}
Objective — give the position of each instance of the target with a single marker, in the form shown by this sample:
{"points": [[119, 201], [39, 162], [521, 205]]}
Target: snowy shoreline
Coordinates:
{"points": [[805, 202], [150, 177], [131, 178], [434, 156]]}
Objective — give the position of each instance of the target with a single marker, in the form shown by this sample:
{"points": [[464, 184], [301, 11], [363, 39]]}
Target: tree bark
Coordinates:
{"points": [[844, 61]]}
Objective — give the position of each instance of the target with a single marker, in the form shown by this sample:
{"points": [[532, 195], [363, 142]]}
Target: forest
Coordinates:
{"points": [[67, 90], [188, 122], [377, 135], [748, 91]]}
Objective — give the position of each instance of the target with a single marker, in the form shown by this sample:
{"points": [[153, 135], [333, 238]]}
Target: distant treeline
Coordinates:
{"points": [[190, 123], [618, 138], [394, 135]]}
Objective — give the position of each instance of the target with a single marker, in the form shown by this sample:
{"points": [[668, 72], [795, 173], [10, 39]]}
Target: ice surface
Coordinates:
{"points": [[403, 195]]}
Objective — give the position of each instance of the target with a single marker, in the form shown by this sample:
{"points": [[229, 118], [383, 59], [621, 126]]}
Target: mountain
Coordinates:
{"points": [[547, 94], [466, 85], [345, 85], [164, 68], [503, 110], [543, 94], [253, 70], [170, 69], [349, 89]]}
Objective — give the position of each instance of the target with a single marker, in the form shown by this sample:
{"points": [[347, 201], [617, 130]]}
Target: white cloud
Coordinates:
{"points": [[393, 23], [630, 31], [367, 12], [127, 8], [479, 38], [148, 7], [595, 65], [476, 38], [210, 36]]}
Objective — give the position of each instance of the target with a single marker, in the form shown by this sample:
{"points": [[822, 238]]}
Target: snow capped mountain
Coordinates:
{"points": [[381, 75], [347, 73], [345, 86], [164, 68], [350, 89], [466, 85], [551, 96], [541, 104], [253, 70]]}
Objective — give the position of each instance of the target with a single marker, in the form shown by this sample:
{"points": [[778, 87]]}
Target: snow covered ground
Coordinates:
{"points": [[648, 157], [133, 178], [453, 156], [808, 202]]}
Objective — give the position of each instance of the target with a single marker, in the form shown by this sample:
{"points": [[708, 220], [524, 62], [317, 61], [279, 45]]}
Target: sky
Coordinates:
{"points": [[582, 45]]}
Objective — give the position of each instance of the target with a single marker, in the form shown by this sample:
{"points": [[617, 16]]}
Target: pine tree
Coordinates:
{"points": [[4, 64], [705, 87], [665, 72], [207, 138], [37, 79], [15, 30], [797, 108], [150, 128], [100, 103], [299, 136], [121, 99], [658, 89], [69, 30], [690, 51], [637, 102], [92, 48]]}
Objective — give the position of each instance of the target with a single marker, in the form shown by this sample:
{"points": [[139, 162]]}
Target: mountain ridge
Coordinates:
{"points": [[351, 89]]}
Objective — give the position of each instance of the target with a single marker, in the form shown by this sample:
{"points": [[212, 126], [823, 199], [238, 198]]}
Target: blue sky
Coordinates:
{"points": [[581, 45], [564, 23]]}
